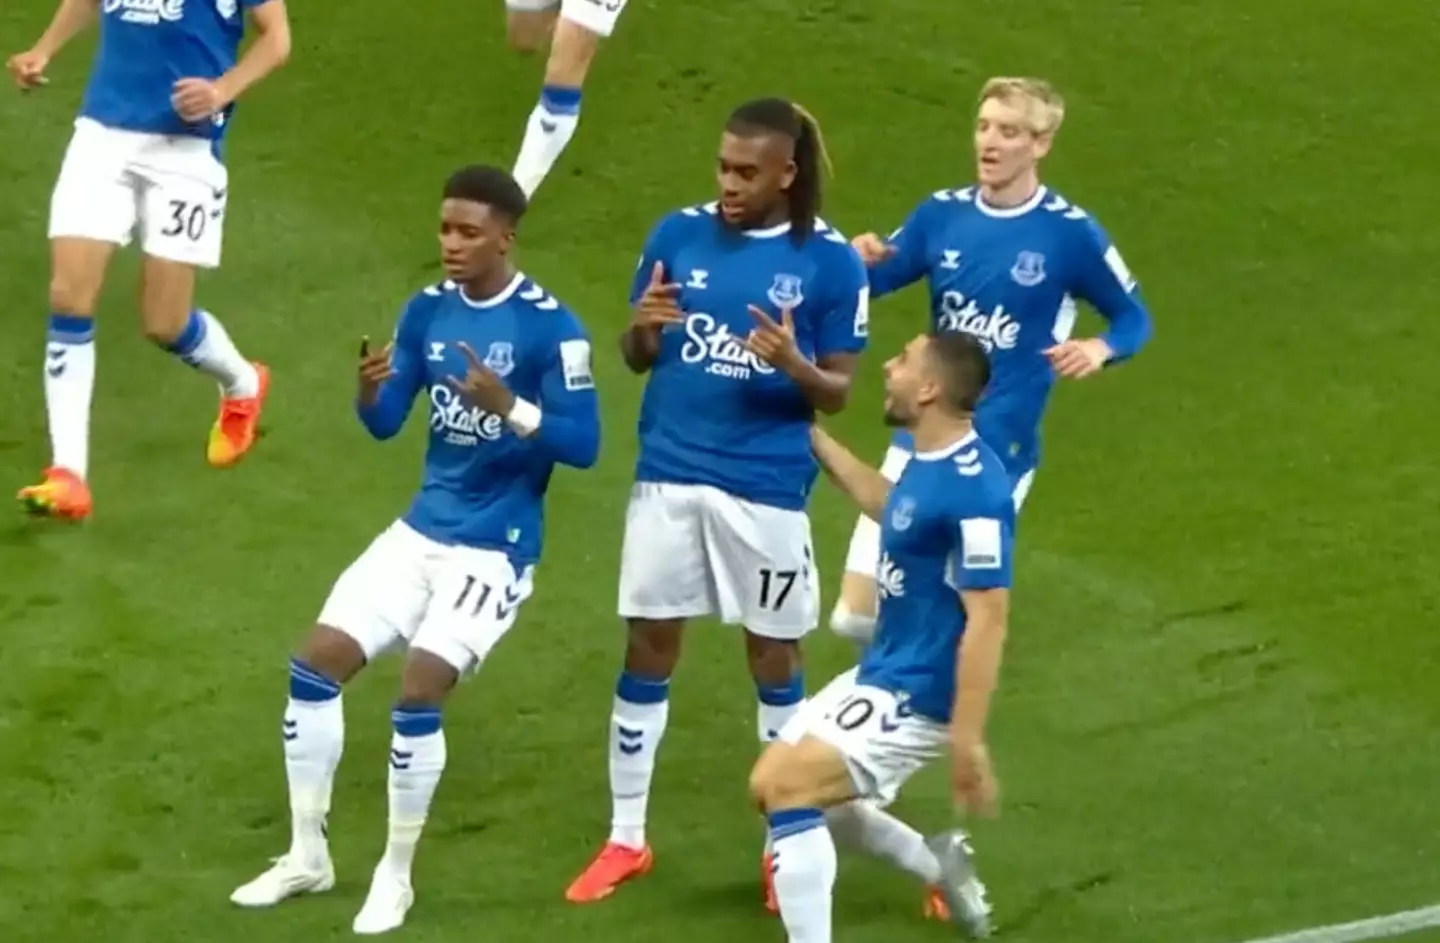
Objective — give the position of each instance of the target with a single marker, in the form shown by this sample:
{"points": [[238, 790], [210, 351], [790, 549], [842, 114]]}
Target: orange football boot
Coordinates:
{"points": [[234, 431], [615, 865], [935, 906], [63, 494]]}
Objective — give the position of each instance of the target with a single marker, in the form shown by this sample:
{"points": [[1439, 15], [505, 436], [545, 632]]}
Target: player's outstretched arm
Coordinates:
{"points": [[901, 259], [862, 484], [268, 52], [566, 421]]}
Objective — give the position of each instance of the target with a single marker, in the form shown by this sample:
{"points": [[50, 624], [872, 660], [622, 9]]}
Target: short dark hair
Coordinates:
{"points": [[780, 116], [492, 186], [961, 365]]}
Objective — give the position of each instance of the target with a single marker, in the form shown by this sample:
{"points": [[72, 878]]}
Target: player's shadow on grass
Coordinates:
{"points": [[32, 532], [26, 530], [734, 896]]}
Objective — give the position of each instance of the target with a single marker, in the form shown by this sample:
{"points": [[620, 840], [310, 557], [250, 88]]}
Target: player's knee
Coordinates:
{"points": [[77, 274], [74, 292], [773, 662], [427, 678], [774, 787], [855, 626], [332, 653], [652, 648]]}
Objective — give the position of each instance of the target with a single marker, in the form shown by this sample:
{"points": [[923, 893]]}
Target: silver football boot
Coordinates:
{"points": [[959, 885]]}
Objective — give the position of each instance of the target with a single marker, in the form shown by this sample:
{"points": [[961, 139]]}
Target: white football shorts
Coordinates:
{"points": [[693, 550], [406, 589], [171, 189], [598, 16], [863, 556], [883, 746]]}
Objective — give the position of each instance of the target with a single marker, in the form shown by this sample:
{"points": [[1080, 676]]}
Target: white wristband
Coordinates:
{"points": [[524, 418]]}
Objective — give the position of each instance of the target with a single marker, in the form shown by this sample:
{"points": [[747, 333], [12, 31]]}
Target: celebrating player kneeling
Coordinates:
{"points": [[507, 371], [926, 679]]}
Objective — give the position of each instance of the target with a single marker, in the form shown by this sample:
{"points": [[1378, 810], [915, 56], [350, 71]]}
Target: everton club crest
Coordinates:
{"points": [[1029, 269], [786, 293]]}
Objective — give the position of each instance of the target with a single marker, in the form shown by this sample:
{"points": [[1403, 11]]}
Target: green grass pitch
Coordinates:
{"points": [[1219, 716]]}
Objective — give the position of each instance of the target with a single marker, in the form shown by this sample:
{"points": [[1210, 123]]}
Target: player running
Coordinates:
{"points": [[926, 679], [146, 157], [1006, 261], [749, 315], [575, 29], [506, 370]]}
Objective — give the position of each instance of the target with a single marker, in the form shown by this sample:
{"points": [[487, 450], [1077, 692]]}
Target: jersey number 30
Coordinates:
{"points": [[186, 219]]}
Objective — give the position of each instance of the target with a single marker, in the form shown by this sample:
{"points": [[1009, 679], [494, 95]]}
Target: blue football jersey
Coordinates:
{"points": [[484, 485], [713, 413], [949, 526], [146, 46], [1011, 278]]}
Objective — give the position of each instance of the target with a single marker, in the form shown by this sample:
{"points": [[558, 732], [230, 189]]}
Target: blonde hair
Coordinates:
{"points": [[1043, 106], [821, 151]]}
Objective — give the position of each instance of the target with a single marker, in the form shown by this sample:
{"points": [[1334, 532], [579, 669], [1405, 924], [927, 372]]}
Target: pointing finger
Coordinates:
{"points": [[470, 355], [761, 316]]}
